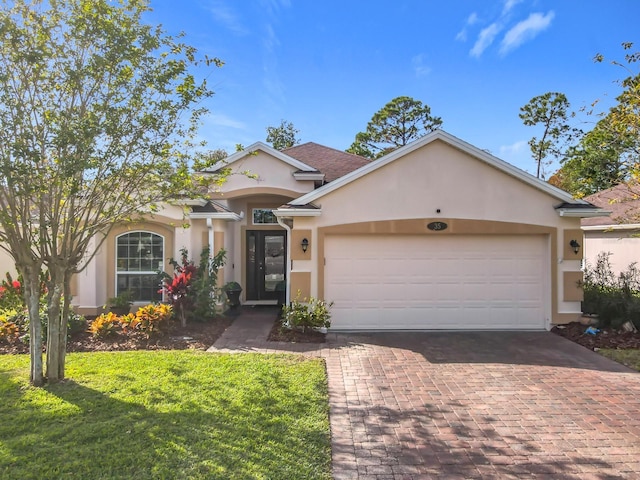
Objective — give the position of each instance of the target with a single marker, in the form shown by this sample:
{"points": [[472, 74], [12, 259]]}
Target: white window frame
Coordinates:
{"points": [[127, 272]]}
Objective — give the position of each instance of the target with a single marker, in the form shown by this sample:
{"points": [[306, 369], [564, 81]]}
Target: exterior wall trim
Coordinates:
{"points": [[253, 191]]}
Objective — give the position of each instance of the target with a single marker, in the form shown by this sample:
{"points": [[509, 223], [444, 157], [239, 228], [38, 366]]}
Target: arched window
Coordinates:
{"points": [[139, 258]]}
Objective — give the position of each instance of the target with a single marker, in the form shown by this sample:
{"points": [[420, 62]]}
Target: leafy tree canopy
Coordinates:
{"points": [[97, 115], [399, 122], [622, 122], [610, 153], [548, 111], [283, 136], [594, 164]]}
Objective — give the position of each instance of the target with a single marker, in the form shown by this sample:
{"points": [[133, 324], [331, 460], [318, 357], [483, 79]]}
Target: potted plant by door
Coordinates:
{"points": [[233, 291], [121, 304]]}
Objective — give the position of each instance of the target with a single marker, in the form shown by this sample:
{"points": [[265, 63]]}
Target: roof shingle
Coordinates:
{"points": [[333, 163], [623, 201]]}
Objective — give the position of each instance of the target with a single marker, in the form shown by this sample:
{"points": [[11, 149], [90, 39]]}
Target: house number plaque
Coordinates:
{"points": [[437, 226]]}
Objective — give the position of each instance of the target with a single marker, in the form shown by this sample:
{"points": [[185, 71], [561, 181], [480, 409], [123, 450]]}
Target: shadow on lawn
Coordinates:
{"points": [[94, 434]]}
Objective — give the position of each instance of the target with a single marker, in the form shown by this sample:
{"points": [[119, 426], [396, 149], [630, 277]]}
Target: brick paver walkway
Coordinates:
{"points": [[468, 405]]}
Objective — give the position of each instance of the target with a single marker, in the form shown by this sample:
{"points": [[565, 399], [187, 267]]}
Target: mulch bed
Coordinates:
{"points": [[201, 335], [606, 338], [280, 334], [195, 336]]}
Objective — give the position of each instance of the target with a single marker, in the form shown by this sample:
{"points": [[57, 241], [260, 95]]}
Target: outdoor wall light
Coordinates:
{"points": [[304, 244], [575, 246]]}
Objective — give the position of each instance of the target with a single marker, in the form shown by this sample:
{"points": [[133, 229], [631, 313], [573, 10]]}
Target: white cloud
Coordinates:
{"points": [[508, 5], [513, 148], [485, 39], [419, 67], [471, 20], [222, 120], [525, 30], [224, 15]]}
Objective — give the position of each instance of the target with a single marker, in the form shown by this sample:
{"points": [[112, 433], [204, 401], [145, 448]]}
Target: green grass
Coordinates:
{"points": [[629, 357], [142, 415]]}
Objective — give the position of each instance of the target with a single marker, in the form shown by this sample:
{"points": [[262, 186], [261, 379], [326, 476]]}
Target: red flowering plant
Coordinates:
{"points": [[177, 291], [191, 290], [10, 293], [178, 287]]}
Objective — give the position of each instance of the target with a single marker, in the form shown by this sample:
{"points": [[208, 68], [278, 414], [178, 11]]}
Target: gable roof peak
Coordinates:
{"points": [[260, 146], [454, 142]]}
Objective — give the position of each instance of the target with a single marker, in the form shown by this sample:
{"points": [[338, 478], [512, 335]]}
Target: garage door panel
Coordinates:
{"points": [[447, 282]]}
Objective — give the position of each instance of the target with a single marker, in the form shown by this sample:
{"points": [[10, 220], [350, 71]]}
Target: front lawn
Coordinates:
{"points": [[629, 357], [169, 414]]}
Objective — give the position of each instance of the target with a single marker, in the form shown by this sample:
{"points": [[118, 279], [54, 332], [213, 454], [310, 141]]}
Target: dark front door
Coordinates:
{"points": [[266, 261]]}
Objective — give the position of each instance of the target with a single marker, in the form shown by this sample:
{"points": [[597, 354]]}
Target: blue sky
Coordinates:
{"points": [[328, 66]]}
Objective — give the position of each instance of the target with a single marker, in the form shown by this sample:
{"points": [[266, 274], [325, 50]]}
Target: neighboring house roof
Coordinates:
{"points": [[333, 163], [568, 206], [622, 201]]}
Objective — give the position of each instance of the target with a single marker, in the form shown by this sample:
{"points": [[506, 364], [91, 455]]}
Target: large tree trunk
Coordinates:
{"points": [[54, 298], [31, 281]]}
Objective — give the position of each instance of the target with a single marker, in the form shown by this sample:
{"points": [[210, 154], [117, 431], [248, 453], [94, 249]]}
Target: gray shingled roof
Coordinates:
{"points": [[210, 207]]}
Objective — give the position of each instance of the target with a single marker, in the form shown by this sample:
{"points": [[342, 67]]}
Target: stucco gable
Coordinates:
{"points": [[232, 160], [453, 142], [262, 169]]}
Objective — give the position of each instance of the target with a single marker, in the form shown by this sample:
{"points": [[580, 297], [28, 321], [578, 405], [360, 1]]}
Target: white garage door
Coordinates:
{"points": [[479, 282]]}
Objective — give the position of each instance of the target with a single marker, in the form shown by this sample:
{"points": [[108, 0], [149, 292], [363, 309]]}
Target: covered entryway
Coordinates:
{"points": [[394, 282], [266, 262]]}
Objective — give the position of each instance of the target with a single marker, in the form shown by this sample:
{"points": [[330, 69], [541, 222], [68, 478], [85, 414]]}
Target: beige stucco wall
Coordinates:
{"points": [[272, 175], [623, 245], [96, 283], [7, 265], [235, 236], [406, 194], [438, 176], [274, 186]]}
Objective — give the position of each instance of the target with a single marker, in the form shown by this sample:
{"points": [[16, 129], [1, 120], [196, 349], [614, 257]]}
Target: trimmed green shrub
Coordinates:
{"points": [[615, 300], [307, 313]]}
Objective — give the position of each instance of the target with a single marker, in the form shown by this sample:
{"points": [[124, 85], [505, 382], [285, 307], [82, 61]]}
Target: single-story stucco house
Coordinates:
{"points": [[619, 233], [436, 235]]}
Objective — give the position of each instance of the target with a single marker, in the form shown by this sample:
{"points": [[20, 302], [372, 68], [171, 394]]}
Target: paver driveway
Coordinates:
{"points": [[480, 405], [469, 405]]}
